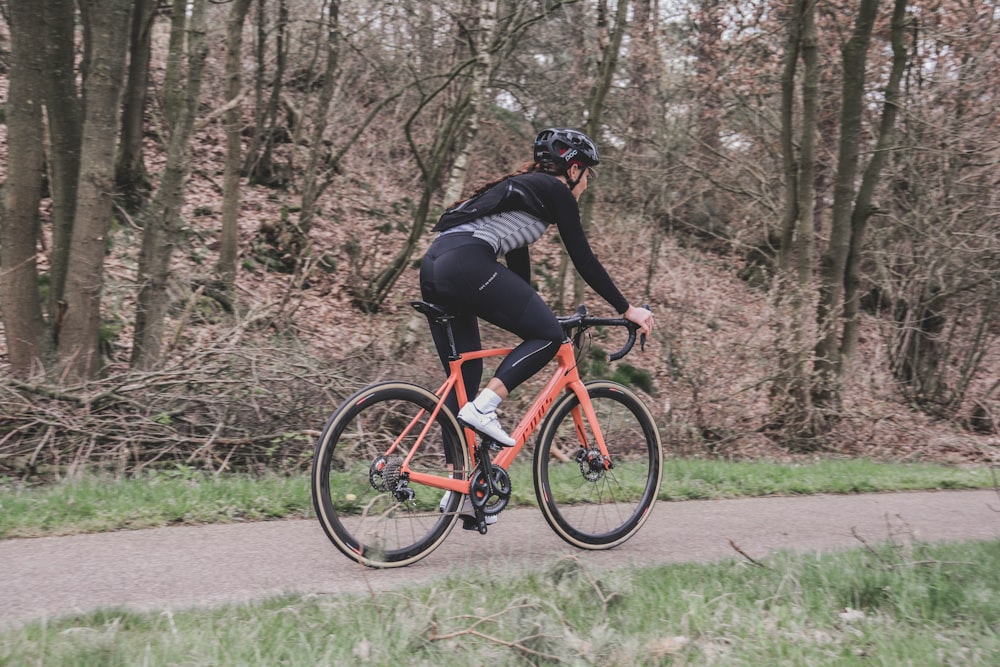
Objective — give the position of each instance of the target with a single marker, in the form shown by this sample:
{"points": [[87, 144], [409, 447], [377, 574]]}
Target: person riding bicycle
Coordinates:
{"points": [[461, 271]]}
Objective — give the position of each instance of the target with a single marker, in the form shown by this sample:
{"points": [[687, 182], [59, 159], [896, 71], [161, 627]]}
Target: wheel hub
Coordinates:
{"points": [[592, 465]]}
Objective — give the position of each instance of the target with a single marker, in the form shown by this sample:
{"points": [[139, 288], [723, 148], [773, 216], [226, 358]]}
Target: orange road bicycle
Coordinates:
{"points": [[389, 456]]}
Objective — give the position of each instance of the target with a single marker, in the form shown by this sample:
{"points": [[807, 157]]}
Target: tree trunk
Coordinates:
{"points": [[260, 68], [130, 171], [162, 225], [826, 391], [229, 237], [863, 205], [595, 107], [791, 393], [63, 111], [260, 158], [106, 25], [20, 301], [311, 187], [645, 71], [481, 43]]}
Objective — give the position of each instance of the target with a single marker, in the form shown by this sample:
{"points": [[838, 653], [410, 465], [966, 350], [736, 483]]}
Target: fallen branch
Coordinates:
{"points": [[740, 551]]}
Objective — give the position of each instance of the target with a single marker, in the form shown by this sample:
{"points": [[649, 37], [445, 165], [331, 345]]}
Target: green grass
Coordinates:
{"points": [[688, 479], [897, 605], [186, 496], [183, 496]]}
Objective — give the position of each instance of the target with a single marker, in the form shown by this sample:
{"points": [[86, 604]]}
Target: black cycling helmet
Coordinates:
{"points": [[562, 147]]}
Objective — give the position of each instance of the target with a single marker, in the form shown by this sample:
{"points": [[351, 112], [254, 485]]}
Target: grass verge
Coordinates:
{"points": [[901, 604], [187, 496]]}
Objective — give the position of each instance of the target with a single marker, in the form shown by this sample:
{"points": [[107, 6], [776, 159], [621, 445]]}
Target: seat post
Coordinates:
{"points": [[445, 321], [436, 315]]}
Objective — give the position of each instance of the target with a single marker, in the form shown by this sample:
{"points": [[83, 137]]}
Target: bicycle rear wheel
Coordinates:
{"points": [[364, 504], [586, 503]]}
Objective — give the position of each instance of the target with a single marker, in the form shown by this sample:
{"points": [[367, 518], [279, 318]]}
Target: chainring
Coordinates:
{"points": [[491, 495]]}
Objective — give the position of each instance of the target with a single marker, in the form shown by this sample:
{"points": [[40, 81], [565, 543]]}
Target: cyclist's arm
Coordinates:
{"points": [[582, 255], [519, 261]]}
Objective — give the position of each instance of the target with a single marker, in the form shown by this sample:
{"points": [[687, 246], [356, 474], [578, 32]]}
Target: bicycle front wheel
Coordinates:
{"points": [[590, 503], [363, 499]]}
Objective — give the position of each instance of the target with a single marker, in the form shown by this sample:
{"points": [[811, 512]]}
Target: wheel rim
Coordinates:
{"points": [[378, 526], [595, 508]]}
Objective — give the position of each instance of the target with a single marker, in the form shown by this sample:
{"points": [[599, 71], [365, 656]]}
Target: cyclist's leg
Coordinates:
{"points": [[512, 304], [442, 282], [542, 336], [463, 274]]}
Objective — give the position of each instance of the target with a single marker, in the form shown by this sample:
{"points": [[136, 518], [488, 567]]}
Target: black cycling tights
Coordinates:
{"points": [[461, 274]]}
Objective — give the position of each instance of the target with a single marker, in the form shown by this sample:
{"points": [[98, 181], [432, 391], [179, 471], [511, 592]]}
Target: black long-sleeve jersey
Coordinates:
{"points": [[515, 213]]}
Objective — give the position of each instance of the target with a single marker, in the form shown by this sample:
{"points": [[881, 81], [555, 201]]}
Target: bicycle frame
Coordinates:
{"points": [[565, 377]]}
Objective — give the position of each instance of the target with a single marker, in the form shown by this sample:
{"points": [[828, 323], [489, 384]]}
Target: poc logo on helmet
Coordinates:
{"points": [[568, 155]]}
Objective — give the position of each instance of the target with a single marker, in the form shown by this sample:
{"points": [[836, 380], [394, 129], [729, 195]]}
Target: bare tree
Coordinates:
{"points": [[864, 206], [611, 36], [131, 176], [105, 31], [937, 274], [467, 81], [161, 229], [228, 238], [480, 42], [259, 162], [313, 186], [63, 109], [851, 209], [20, 299], [792, 388]]}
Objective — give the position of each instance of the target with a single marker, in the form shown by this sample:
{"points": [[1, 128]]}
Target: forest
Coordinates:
{"points": [[214, 211]]}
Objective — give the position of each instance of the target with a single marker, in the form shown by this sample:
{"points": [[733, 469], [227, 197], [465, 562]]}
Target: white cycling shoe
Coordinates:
{"points": [[485, 424], [467, 513]]}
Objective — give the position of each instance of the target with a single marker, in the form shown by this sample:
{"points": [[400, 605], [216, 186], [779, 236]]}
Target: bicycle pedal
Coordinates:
{"points": [[470, 523], [494, 445]]}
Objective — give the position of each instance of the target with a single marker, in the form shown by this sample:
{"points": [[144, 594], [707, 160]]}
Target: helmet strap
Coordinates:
{"points": [[573, 183]]}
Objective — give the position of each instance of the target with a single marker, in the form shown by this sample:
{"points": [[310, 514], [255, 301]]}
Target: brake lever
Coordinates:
{"points": [[642, 337]]}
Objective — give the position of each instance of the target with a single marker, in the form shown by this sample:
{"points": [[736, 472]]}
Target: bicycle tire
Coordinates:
{"points": [[587, 505], [366, 521]]}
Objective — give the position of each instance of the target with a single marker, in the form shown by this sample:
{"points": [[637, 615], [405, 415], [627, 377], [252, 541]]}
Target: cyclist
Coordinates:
{"points": [[461, 272]]}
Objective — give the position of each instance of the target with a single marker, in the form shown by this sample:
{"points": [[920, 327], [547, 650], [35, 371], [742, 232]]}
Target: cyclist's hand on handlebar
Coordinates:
{"points": [[642, 317]]}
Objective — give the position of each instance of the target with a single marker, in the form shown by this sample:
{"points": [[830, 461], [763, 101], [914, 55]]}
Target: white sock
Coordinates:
{"points": [[487, 401]]}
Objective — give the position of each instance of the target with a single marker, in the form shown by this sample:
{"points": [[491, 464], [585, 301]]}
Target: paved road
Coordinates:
{"points": [[173, 568]]}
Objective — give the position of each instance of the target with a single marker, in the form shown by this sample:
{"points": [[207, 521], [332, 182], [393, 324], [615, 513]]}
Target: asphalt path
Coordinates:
{"points": [[194, 566]]}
